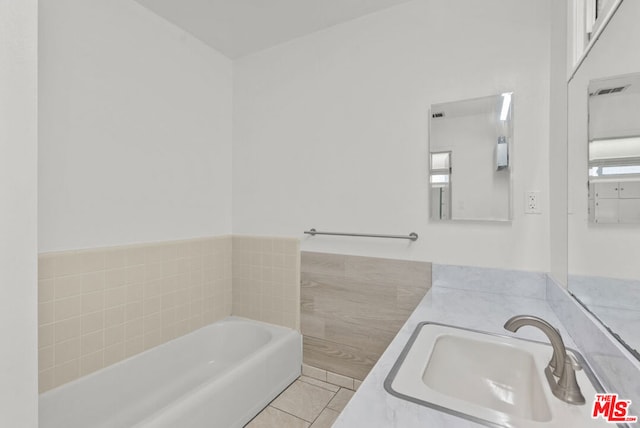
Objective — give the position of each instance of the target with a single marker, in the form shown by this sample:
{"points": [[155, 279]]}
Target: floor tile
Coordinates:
{"points": [[314, 372], [274, 418], [340, 380], [326, 419], [321, 384], [340, 400], [303, 400]]}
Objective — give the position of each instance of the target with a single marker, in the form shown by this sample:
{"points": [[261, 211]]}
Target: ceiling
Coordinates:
{"points": [[240, 27]]}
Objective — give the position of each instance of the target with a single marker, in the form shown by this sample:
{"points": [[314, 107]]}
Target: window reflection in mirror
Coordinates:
{"points": [[469, 159], [614, 150], [440, 179]]}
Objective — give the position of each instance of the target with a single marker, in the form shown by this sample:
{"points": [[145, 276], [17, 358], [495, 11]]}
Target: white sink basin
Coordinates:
{"points": [[495, 380], [491, 375]]}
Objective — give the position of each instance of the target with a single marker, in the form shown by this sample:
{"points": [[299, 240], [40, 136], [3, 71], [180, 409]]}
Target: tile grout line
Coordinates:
{"points": [[298, 417], [284, 411], [320, 386], [325, 407], [290, 414], [333, 396], [326, 372]]}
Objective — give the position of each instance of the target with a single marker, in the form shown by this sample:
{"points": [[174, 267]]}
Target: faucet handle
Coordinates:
{"points": [[567, 388], [575, 365]]}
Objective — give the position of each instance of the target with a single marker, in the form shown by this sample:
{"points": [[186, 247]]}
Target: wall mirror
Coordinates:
{"points": [[604, 179], [614, 150], [470, 159]]}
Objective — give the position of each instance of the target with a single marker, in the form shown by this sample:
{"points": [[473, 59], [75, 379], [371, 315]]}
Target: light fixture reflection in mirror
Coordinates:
{"points": [[506, 106]]}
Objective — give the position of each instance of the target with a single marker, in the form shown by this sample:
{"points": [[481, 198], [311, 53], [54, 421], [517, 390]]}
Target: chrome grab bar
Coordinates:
{"points": [[412, 236]]}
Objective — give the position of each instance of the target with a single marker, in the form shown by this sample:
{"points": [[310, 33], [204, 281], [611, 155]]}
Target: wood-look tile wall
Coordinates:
{"points": [[352, 307]]}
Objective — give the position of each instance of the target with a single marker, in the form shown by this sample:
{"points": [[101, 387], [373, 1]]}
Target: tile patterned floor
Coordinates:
{"points": [[306, 403]]}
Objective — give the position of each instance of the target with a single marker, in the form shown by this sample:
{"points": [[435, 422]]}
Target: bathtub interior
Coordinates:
{"points": [[240, 394], [208, 359]]}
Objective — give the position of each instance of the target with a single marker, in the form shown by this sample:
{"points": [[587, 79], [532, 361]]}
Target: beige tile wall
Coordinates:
{"points": [[266, 279], [97, 307]]}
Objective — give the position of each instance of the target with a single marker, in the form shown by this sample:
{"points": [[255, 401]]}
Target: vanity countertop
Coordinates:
{"points": [[373, 407]]}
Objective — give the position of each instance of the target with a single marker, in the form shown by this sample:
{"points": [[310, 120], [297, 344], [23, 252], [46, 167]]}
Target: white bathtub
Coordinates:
{"points": [[221, 375]]}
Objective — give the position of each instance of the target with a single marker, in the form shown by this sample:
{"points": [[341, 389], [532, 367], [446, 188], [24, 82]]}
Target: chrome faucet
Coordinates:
{"points": [[557, 359], [562, 365]]}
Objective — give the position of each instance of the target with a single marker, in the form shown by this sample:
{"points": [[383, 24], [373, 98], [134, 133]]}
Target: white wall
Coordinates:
{"points": [[18, 210], [135, 128], [558, 143], [330, 130], [614, 115], [601, 250]]}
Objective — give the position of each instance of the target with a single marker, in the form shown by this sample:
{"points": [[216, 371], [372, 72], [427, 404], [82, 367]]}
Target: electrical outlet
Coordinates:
{"points": [[532, 202]]}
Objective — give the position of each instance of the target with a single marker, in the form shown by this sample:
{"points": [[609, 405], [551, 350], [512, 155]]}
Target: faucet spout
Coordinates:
{"points": [[556, 364], [562, 364]]}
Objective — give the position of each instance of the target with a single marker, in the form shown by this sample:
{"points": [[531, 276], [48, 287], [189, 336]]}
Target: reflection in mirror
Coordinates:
{"points": [[469, 163], [614, 150], [603, 161], [609, 289], [440, 185]]}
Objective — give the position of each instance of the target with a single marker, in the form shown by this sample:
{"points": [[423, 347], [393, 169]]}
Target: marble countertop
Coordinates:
{"points": [[372, 406]]}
